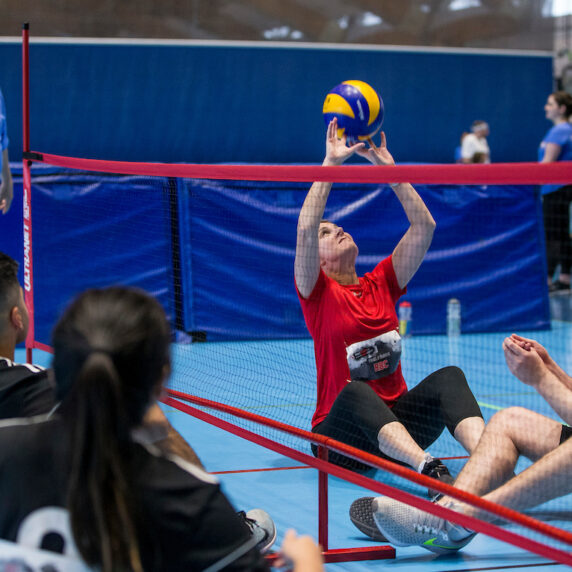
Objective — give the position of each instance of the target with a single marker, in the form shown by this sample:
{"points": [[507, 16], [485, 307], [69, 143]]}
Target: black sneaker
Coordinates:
{"points": [[558, 286], [261, 527], [437, 470], [361, 514]]}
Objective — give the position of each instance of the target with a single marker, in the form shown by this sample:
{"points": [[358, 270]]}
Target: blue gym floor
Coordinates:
{"points": [[253, 476]]}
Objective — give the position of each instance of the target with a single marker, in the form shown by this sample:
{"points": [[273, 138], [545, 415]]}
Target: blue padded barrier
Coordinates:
{"points": [[233, 248], [488, 251]]}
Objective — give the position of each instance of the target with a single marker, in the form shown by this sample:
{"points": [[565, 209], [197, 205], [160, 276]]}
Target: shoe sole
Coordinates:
{"points": [[361, 515], [260, 516], [269, 542]]}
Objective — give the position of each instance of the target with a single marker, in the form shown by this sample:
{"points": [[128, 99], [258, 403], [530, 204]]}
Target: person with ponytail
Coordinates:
{"points": [[85, 482], [556, 199]]}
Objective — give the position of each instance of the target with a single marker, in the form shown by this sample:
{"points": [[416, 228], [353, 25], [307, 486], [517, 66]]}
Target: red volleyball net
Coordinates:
{"points": [[100, 223], [216, 243]]}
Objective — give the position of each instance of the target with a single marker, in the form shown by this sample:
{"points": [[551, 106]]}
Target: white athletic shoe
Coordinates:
{"points": [[404, 525], [261, 527]]}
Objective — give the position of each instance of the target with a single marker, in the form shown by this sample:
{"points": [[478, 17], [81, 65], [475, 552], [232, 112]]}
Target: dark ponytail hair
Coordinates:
{"points": [[111, 352]]}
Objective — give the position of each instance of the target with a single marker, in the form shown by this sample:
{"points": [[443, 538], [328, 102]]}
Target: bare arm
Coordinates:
{"points": [[6, 186], [528, 366], [411, 249], [551, 153], [528, 343], [307, 262]]}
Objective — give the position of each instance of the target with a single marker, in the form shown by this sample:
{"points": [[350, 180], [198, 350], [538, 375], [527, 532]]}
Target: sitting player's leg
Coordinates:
{"points": [[505, 438], [442, 399], [548, 445], [361, 419]]}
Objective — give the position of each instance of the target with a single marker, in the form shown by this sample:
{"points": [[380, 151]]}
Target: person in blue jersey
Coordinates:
{"points": [[557, 146], [6, 184], [86, 482]]}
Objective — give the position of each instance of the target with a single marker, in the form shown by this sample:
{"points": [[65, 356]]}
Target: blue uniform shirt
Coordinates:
{"points": [[560, 134], [3, 130]]}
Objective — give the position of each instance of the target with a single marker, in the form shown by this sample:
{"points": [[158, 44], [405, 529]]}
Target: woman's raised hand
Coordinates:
{"points": [[377, 155], [337, 150]]}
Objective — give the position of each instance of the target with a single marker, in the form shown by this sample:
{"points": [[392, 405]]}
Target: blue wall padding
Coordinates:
{"points": [[488, 251], [233, 248], [91, 231], [259, 104]]}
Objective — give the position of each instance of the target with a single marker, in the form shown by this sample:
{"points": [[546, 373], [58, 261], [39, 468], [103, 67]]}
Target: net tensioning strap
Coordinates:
{"points": [[500, 173]]}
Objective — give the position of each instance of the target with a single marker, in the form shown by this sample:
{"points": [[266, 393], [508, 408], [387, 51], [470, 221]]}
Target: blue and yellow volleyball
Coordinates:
{"points": [[358, 107]]}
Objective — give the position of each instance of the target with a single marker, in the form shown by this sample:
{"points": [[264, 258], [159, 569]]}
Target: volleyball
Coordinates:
{"points": [[358, 107]]}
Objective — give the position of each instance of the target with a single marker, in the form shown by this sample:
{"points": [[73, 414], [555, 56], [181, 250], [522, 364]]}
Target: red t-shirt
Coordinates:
{"points": [[338, 316]]}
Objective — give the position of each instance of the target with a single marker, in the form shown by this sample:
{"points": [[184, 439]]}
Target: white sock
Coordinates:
{"points": [[428, 459]]}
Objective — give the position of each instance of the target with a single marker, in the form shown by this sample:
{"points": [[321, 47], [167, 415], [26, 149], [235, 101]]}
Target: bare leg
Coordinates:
{"points": [[507, 436], [396, 442], [546, 479], [469, 431]]}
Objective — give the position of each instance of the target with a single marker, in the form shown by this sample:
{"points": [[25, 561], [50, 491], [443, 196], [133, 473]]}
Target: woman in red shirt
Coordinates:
{"points": [[362, 398]]}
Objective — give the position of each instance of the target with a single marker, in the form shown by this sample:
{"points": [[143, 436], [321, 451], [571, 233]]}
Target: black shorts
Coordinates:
{"points": [[566, 433]]}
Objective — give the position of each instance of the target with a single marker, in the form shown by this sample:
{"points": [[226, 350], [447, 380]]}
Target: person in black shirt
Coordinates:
{"points": [[25, 390], [83, 480]]}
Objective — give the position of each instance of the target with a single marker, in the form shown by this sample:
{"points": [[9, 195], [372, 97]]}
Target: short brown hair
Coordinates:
{"points": [[9, 284]]}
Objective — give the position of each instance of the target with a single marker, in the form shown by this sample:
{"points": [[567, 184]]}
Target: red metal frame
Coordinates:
{"points": [[335, 555], [323, 520], [527, 172], [379, 487], [27, 198]]}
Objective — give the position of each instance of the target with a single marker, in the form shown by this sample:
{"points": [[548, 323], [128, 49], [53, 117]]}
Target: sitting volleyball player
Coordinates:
{"points": [[80, 481], [490, 470], [354, 326], [27, 390]]}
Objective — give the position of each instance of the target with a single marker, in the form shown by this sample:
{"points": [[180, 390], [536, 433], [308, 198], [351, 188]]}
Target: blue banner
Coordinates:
{"points": [[220, 254]]}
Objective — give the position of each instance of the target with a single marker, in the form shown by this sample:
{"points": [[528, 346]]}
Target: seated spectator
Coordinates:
{"points": [[6, 182], [109, 408], [458, 158], [25, 389], [476, 142]]}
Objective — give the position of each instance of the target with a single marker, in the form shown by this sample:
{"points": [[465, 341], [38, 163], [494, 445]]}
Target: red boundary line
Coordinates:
{"points": [[499, 173], [260, 470], [264, 469], [507, 567], [467, 521]]}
